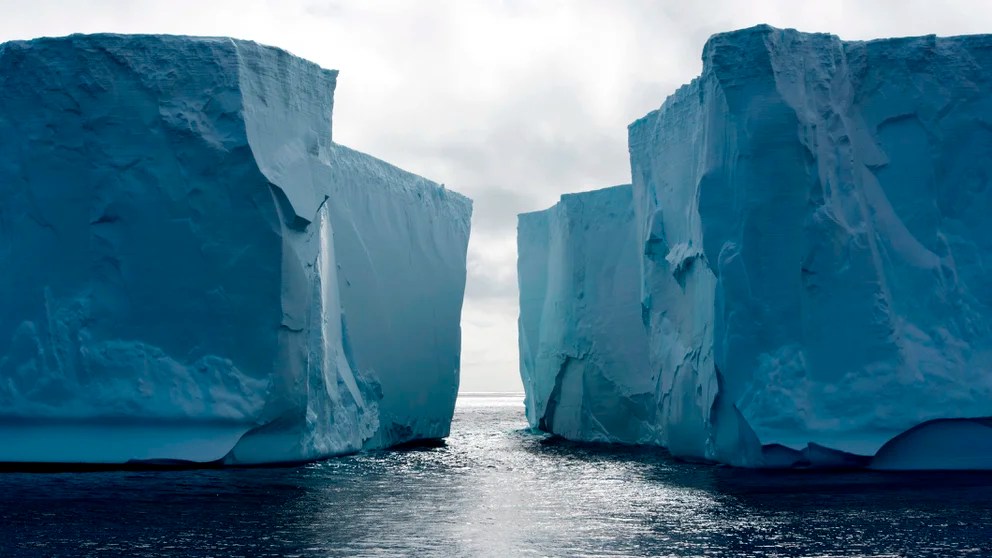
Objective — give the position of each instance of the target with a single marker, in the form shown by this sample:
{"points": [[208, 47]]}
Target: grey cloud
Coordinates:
{"points": [[485, 284], [326, 9], [496, 207], [539, 144]]}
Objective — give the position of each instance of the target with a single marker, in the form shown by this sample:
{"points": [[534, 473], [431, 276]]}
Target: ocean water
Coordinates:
{"points": [[495, 490]]}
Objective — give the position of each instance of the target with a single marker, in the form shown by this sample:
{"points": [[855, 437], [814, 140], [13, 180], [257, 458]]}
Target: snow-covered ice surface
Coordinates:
{"points": [[583, 349], [194, 271], [812, 223]]}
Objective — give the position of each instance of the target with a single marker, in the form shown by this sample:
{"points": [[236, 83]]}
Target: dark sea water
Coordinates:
{"points": [[494, 490]]}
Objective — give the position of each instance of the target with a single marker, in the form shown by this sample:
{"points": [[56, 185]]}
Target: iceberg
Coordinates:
{"points": [[812, 231], [195, 272], [583, 348], [813, 219]]}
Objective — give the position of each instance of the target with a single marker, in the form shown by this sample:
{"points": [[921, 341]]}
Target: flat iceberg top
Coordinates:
{"points": [[400, 182], [746, 53], [140, 46]]}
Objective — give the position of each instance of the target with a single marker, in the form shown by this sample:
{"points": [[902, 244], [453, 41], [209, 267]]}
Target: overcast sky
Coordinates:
{"points": [[510, 102]]}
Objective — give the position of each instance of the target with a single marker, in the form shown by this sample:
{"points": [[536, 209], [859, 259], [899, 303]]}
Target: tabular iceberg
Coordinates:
{"points": [[812, 224], [583, 349], [194, 271]]}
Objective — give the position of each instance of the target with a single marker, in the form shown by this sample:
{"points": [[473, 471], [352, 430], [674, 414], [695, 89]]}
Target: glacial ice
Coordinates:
{"points": [[812, 226], [583, 349], [194, 271]]}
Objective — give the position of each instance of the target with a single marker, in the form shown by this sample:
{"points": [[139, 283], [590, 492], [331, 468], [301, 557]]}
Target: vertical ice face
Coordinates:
{"points": [[194, 271], [583, 350], [813, 223], [400, 242], [810, 241]]}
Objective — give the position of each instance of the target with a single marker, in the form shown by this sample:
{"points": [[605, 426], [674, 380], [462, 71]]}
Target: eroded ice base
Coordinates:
{"points": [[106, 442], [943, 444]]}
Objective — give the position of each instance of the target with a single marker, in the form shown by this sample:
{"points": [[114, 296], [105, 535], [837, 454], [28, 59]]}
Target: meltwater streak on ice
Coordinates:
{"points": [[812, 217], [194, 271], [493, 491]]}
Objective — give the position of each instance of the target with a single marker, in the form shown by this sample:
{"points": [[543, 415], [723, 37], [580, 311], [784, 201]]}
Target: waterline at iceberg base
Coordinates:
{"points": [[810, 223], [195, 272]]}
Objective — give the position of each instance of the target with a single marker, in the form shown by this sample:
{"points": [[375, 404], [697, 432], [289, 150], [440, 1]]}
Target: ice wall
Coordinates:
{"points": [[401, 242], [583, 350], [194, 271], [814, 224]]}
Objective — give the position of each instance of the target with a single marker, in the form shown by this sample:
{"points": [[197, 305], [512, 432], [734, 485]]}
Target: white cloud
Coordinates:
{"points": [[512, 102]]}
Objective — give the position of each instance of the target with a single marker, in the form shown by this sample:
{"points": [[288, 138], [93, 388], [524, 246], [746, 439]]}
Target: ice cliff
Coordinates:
{"points": [[812, 223], [193, 271], [583, 350]]}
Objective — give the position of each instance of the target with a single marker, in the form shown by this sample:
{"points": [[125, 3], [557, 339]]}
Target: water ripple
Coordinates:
{"points": [[495, 490]]}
